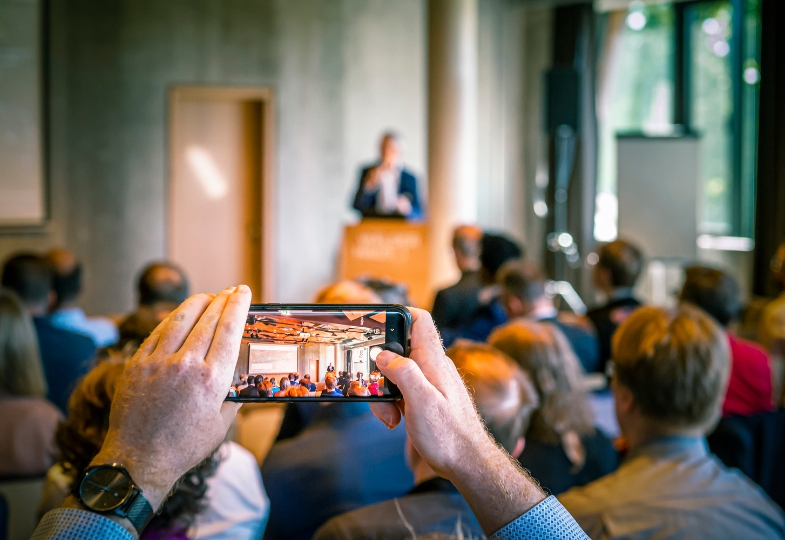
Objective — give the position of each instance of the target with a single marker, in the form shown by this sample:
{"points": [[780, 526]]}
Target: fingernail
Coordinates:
{"points": [[243, 289], [387, 421], [385, 357]]}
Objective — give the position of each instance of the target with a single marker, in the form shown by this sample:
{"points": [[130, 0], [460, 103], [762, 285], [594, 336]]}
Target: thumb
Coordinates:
{"points": [[404, 373]]}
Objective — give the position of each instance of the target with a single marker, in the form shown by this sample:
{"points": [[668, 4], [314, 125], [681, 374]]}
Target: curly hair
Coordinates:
{"points": [[81, 435]]}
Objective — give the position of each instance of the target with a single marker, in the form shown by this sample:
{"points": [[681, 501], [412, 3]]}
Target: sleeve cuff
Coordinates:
{"points": [[75, 524], [548, 520]]}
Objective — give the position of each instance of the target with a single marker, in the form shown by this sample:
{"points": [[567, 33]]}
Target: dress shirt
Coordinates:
{"points": [[674, 488], [101, 330], [749, 385], [387, 194], [546, 521]]}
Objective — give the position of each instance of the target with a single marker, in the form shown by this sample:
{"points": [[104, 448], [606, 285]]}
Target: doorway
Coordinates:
{"points": [[220, 189]]}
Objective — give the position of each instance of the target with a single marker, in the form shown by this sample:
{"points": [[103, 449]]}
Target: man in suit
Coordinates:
{"points": [[619, 265], [386, 188], [65, 355], [524, 295], [506, 399], [454, 306], [252, 390]]}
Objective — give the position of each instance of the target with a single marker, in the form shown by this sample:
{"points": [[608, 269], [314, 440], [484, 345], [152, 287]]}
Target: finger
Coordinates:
{"points": [[427, 350], [225, 347], [149, 344], [388, 413], [406, 374], [200, 338], [180, 322]]}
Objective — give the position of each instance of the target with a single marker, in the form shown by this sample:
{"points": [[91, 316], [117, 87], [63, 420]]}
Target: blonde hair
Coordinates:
{"points": [[347, 292], [675, 362], [21, 371], [502, 392], [545, 354]]}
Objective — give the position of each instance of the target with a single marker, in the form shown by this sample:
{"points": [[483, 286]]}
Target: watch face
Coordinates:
{"points": [[105, 488]]}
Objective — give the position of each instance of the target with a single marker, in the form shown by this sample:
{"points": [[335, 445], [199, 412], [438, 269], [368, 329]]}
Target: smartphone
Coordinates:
{"points": [[318, 352]]}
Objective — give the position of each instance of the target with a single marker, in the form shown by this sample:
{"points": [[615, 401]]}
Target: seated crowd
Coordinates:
{"points": [[336, 471]]}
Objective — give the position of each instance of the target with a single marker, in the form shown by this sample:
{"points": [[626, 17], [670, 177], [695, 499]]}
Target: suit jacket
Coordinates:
{"points": [[365, 203], [606, 320], [344, 459], [455, 306], [249, 391], [66, 357]]}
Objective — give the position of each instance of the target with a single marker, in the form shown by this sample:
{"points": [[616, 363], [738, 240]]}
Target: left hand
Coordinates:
{"points": [[169, 412], [404, 205]]}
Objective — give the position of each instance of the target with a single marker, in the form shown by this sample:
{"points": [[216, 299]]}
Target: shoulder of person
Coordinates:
{"points": [[577, 321]]}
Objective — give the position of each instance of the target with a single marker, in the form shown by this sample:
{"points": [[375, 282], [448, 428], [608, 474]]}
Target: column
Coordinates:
{"points": [[452, 127]]}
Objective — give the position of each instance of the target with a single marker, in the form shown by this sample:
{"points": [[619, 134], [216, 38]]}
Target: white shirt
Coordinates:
{"points": [[387, 191]]}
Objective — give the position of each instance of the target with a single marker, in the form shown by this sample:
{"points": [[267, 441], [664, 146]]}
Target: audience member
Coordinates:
{"points": [[458, 449], [67, 284], [341, 460], [306, 382], [27, 419], [161, 287], [505, 399], [373, 383], [524, 295], [563, 448], [81, 436], [670, 369], [386, 188], [495, 250], [330, 387], [454, 306], [265, 389], [749, 388], [771, 330], [388, 292], [357, 390], [252, 390], [285, 385], [66, 356], [617, 270], [274, 383], [347, 292]]}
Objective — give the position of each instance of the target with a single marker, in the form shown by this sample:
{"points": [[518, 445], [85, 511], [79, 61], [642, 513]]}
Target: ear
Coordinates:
{"points": [[520, 444], [625, 400]]}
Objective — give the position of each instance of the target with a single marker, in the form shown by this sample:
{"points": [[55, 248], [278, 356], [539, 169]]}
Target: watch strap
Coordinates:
{"points": [[140, 513]]}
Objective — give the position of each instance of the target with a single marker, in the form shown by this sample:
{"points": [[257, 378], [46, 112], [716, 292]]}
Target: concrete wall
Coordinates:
{"points": [[342, 71]]}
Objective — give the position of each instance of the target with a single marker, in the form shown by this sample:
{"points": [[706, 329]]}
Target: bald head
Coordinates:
{"points": [[67, 276], [503, 394], [162, 282], [466, 246]]}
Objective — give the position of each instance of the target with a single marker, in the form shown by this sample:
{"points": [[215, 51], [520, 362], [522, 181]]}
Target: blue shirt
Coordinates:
{"points": [[674, 488], [101, 330], [546, 521]]}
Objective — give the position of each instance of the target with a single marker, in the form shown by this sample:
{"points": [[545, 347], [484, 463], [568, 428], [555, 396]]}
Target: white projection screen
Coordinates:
{"points": [[265, 358], [22, 187]]}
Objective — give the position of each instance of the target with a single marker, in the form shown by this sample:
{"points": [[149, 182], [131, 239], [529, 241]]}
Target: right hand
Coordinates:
{"points": [[441, 420], [372, 178]]}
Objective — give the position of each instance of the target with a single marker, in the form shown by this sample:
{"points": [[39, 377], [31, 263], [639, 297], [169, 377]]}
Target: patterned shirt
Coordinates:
{"points": [[546, 521]]}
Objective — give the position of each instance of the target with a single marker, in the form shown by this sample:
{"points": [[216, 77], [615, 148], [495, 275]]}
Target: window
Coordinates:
{"points": [[693, 64]]}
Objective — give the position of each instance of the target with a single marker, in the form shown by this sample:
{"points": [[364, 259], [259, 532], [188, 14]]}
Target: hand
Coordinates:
{"points": [[371, 181], [404, 205], [169, 412], [445, 429]]}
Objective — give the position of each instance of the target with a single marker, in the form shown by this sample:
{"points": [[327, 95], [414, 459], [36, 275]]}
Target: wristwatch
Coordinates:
{"points": [[109, 489]]}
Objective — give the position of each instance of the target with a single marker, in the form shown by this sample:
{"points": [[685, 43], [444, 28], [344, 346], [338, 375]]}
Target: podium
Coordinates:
{"points": [[394, 250]]}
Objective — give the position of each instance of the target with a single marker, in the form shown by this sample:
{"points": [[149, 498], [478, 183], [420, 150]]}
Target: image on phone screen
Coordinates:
{"points": [[319, 353]]}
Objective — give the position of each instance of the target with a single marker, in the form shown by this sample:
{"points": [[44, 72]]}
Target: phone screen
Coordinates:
{"points": [[318, 352]]}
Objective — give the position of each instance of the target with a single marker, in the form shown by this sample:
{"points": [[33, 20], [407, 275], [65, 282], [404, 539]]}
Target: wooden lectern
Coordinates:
{"points": [[394, 250]]}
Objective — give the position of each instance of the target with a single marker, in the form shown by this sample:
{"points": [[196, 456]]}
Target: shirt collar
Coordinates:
{"points": [[669, 447], [622, 293]]}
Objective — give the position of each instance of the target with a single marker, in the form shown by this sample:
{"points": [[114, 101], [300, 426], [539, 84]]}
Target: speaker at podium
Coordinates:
{"points": [[393, 250]]}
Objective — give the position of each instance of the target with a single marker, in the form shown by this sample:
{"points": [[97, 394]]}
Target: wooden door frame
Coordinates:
{"points": [[267, 152]]}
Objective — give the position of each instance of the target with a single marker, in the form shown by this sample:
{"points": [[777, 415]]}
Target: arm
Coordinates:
{"points": [[446, 430], [158, 434], [365, 199]]}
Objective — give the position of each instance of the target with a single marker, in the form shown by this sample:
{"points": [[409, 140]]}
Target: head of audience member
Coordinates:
{"points": [[714, 291], [670, 372], [67, 277], [360, 375], [306, 378], [259, 379], [495, 250], [296, 391], [502, 393], [374, 376], [273, 381], [82, 434], [390, 149], [522, 288], [290, 377], [564, 414], [618, 267], [329, 383], [265, 388], [31, 278], [21, 372], [347, 292], [357, 390], [466, 241], [388, 292], [285, 384]]}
